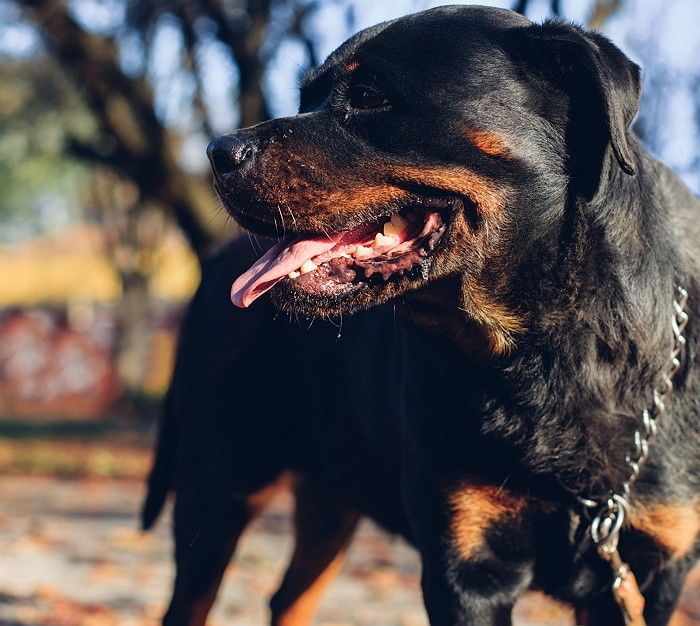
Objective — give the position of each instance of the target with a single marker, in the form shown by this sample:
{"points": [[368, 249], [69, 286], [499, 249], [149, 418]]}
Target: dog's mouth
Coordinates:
{"points": [[391, 248]]}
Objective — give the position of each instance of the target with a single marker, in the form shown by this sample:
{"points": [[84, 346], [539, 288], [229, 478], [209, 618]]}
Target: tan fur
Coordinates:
{"points": [[201, 606], [488, 142], [500, 324], [313, 193], [475, 508], [674, 526], [323, 535], [301, 612], [357, 199], [488, 197]]}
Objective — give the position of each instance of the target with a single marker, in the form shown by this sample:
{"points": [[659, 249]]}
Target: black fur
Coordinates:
{"points": [[392, 413]]}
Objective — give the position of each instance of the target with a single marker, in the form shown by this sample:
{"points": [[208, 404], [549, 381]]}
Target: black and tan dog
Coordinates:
{"points": [[475, 172]]}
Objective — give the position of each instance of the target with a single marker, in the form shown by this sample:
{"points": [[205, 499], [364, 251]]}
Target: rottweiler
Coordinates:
{"points": [[517, 387]]}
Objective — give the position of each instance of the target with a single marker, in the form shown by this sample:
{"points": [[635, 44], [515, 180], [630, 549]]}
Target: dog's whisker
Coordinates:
{"points": [[257, 243], [294, 219], [284, 227], [250, 240], [502, 486]]}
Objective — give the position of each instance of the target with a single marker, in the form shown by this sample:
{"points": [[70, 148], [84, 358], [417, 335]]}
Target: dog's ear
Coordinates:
{"points": [[603, 88]]}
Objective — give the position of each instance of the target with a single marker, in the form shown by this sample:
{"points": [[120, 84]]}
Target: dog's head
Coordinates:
{"points": [[441, 144]]}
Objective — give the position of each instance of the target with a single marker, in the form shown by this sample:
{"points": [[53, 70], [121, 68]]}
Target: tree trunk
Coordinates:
{"points": [[124, 108], [132, 332]]}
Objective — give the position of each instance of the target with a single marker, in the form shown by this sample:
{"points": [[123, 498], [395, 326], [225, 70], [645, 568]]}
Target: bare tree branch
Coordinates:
{"points": [[602, 12], [245, 44], [124, 108], [88, 152], [297, 29], [186, 19]]}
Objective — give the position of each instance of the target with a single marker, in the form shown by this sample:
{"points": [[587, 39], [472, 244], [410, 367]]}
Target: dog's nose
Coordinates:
{"points": [[229, 152]]}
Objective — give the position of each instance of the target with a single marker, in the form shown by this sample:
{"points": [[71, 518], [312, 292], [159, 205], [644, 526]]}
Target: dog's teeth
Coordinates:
{"points": [[363, 252], [381, 240], [294, 274], [390, 230], [399, 222], [307, 266], [395, 226]]}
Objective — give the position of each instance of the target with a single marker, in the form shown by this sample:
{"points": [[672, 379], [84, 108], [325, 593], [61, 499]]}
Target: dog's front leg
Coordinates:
{"points": [[476, 547]]}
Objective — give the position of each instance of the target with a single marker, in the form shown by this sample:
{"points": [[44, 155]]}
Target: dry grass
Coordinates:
{"points": [[75, 449]]}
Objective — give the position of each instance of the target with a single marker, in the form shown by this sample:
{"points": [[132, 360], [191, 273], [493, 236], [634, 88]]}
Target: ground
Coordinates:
{"points": [[71, 556]]}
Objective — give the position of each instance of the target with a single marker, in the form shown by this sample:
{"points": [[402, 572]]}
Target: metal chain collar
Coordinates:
{"points": [[612, 512]]}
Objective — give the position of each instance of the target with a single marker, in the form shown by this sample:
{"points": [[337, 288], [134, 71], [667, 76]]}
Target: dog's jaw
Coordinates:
{"points": [[388, 254]]}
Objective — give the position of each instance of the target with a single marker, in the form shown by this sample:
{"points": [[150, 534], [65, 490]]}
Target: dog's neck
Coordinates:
{"points": [[439, 309], [587, 344], [594, 261]]}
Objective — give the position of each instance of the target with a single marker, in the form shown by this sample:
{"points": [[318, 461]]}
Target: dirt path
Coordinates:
{"points": [[70, 556]]}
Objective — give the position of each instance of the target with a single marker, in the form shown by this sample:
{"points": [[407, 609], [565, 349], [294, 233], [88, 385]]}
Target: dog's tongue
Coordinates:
{"points": [[276, 263]]}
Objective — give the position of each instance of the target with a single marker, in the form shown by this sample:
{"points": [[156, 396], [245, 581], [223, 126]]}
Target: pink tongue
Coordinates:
{"points": [[275, 264]]}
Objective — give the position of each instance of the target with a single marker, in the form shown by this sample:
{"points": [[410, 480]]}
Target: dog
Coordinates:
{"points": [[506, 271]]}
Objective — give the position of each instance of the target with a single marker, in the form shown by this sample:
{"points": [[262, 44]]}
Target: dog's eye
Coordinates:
{"points": [[367, 97]]}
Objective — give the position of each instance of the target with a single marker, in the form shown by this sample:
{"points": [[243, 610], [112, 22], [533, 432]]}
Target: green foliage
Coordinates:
{"points": [[39, 113]]}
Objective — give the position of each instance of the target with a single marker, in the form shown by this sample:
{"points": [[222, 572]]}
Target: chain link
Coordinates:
{"points": [[612, 512]]}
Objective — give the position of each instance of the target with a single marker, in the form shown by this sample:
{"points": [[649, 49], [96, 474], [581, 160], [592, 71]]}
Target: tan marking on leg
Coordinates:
{"points": [[323, 534], [675, 526], [475, 508], [488, 142], [302, 610], [201, 606]]}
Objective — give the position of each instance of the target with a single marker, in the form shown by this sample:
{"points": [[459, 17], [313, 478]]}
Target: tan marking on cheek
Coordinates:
{"points": [[500, 324], [458, 180], [322, 206], [475, 509], [316, 188], [488, 142], [365, 196], [674, 526], [352, 65]]}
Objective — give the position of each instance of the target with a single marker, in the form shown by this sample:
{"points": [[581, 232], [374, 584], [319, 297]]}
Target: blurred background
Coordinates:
{"points": [[106, 209]]}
